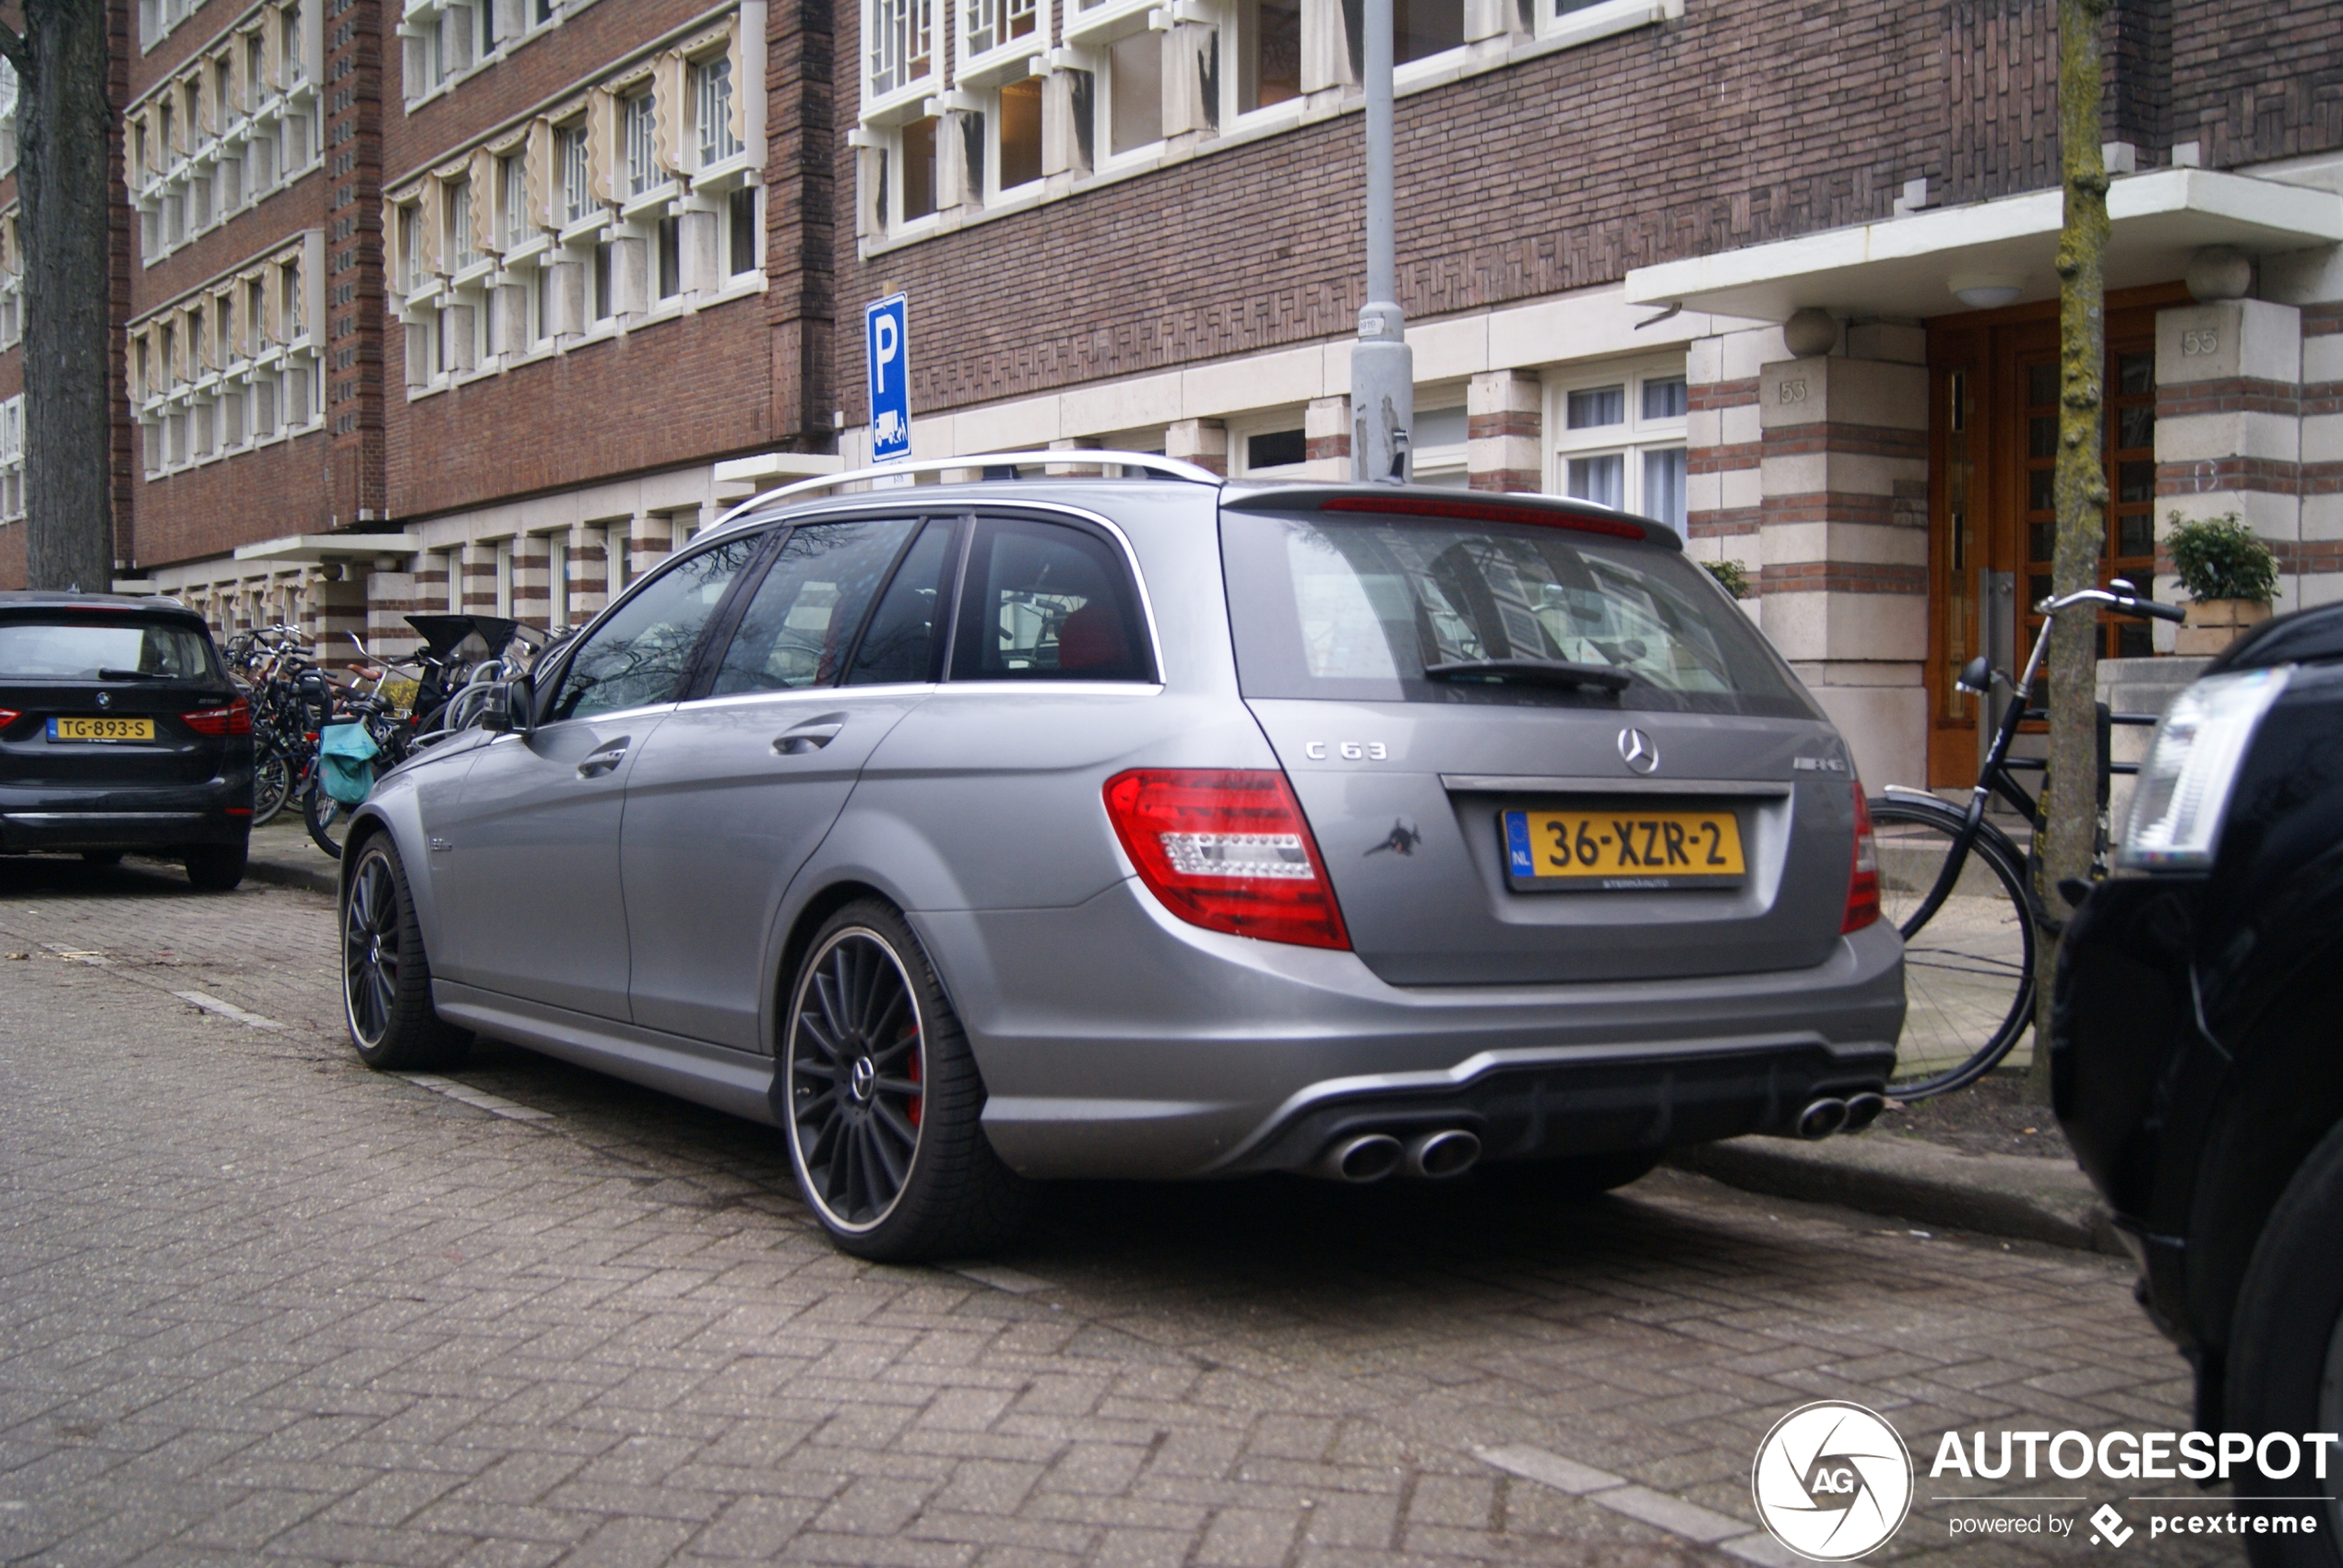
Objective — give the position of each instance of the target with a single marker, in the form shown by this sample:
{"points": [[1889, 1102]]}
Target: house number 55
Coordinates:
{"points": [[2205, 341]]}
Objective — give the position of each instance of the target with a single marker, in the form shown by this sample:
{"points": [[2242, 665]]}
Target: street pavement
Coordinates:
{"points": [[259, 1305]]}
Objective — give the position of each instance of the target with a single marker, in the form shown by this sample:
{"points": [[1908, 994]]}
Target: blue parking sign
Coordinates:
{"points": [[886, 342]]}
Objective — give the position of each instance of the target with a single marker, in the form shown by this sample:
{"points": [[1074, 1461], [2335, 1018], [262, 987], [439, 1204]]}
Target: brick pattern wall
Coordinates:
{"points": [[682, 390], [354, 257], [1725, 141], [2252, 82], [801, 196]]}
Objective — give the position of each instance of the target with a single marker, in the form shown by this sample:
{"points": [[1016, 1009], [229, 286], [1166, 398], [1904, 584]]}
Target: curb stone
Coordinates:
{"points": [[2021, 1196]]}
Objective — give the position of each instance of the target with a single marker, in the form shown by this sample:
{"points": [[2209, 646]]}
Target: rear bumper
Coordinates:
{"points": [[125, 819], [1118, 1042]]}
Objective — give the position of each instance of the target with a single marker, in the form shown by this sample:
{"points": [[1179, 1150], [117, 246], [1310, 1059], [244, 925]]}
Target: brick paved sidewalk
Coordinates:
{"points": [[263, 1306]]}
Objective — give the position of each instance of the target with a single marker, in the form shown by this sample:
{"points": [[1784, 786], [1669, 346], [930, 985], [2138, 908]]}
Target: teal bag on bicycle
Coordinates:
{"points": [[347, 752]]}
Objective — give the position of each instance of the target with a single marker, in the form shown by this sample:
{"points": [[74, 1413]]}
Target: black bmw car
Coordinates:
{"points": [[2197, 1055], [120, 731]]}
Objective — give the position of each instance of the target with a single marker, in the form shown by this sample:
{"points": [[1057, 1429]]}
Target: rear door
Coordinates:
{"points": [[1607, 774], [526, 860], [737, 787]]}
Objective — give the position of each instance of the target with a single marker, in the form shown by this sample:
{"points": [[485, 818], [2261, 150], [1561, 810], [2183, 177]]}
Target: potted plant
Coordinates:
{"points": [[2230, 576]]}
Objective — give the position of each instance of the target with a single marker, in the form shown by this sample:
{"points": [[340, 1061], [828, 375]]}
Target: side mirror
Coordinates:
{"points": [[508, 705], [1977, 676]]}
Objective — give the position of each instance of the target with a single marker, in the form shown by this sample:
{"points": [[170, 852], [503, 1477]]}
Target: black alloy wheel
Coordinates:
{"points": [[881, 1100], [386, 978]]}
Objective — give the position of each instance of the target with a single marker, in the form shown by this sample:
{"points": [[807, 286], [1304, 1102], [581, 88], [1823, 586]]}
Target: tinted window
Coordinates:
{"points": [[90, 650], [900, 643], [641, 654], [1046, 601], [801, 623], [1354, 610]]}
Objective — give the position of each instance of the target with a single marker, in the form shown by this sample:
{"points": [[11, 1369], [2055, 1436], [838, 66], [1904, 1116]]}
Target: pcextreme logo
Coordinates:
{"points": [[1832, 1481]]}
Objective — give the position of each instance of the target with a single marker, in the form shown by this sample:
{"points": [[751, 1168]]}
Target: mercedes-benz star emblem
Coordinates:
{"points": [[1637, 751]]}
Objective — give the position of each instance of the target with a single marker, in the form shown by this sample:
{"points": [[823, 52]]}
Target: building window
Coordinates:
{"points": [[12, 457], [671, 258], [505, 578], [511, 178], [1268, 54], [1134, 83], [902, 45], [577, 191], [712, 109], [293, 66], [1421, 28], [642, 165], [292, 324], [1621, 439], [1015, 121], [459, 225], [1274, 449], [557, 585], [740, 215], [912, 168]]}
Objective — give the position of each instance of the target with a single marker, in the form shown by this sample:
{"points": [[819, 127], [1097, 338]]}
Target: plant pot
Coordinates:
{"points": [[2213, 624]]}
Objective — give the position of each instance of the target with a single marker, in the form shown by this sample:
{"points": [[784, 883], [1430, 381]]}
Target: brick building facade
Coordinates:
{"points": [[487, 303]]}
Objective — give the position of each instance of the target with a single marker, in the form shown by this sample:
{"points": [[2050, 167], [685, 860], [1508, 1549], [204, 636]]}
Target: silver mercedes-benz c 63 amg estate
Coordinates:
{"points": [[1150, 825]]}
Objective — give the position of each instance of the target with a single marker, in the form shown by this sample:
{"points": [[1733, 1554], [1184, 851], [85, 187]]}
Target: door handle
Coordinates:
{"points": [[811, 736], [602, 761]]}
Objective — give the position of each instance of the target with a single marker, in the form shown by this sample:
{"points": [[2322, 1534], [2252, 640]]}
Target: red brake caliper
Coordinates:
{"points": [[917, 1099]]}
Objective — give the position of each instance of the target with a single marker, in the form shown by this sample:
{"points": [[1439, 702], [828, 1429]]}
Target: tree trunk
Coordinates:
{"points": [[65, 177], [2070, 798]]}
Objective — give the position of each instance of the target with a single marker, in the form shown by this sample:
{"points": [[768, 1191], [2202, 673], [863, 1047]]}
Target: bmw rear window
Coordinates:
{"points": [[87, 648], [1355, 609]]}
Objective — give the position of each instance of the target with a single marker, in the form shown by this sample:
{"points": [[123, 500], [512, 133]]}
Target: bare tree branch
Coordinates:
{"points": [[13, 51]]}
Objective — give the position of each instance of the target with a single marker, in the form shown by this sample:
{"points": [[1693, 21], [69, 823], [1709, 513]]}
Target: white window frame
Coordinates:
{"points": [[1004, 58], [638, 134], [1631, 438], [996, 192], [1243, 430], [1447, 463], [891, 31], [1102, 91], [710, 86]]}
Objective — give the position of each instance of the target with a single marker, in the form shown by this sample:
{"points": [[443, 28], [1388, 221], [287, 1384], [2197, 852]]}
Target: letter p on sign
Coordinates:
{"points": [[886, 343]]}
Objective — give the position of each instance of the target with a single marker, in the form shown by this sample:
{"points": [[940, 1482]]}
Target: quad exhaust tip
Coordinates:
{"points": [[1823, 1118], [1450, 1152], [1370, 1157]]}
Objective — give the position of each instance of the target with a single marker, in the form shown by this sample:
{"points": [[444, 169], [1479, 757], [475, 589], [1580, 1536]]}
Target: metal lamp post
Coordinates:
{"points": [[1382, 368]]}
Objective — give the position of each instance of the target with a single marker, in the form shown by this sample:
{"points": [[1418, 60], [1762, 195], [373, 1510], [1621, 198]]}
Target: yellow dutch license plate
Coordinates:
{"points": [[102, 729], [1628, 850]]}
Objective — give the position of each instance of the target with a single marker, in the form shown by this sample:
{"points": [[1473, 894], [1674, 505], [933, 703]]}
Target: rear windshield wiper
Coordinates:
{"points": [[1543, 671], [132, 676]]}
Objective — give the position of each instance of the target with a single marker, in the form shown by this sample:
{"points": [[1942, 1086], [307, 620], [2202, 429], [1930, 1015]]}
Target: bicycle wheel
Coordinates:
{"points": [[272, 781], [322, 814], [1968, 973]]}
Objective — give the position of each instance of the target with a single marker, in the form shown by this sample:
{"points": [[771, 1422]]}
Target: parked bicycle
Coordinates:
{"points": [[1963, 893]]}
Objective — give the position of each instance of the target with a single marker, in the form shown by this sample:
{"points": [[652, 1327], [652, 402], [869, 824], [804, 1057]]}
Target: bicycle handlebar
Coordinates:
{"points": [[2122, 604]]}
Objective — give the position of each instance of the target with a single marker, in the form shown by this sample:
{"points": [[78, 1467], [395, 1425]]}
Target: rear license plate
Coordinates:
{"points": [[1630, 851], [102, 729]]}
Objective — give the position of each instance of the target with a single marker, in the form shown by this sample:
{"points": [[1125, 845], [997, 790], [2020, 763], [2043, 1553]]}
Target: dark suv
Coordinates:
{"points": [[2198, 1056], [120, 731]]}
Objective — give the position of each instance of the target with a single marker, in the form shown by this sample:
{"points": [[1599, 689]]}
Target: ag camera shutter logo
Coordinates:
{"points": [[1832, 1481]]}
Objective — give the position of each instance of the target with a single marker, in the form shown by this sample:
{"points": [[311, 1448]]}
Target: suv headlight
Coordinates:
{"points": [[2183, 791]]}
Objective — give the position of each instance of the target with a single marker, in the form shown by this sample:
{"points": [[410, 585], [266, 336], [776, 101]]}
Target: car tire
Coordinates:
{"points": [[2285, 1367], [101, 857], [1573, 1176], [880, 1101], [386, 976], [216, 867]]}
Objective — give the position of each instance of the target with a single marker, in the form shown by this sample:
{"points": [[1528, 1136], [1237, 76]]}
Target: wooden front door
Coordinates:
{"points": [[1993, 419]]}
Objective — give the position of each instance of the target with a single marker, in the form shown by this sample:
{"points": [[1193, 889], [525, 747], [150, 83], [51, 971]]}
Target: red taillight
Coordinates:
{"points": [[1227, 851], [233, 720], [7, 716], [1862, 881]]}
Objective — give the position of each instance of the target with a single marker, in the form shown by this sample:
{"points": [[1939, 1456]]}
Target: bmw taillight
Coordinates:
{"points": [[1863, 882], [233, 720], [1227, 849], [7, 716]]}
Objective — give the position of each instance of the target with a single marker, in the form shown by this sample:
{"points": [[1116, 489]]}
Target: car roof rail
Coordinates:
{"points": [[1147, 463]]}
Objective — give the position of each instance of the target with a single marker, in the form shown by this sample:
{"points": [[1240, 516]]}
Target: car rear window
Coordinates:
{"points": [[75, 648], [1354, 609]]}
